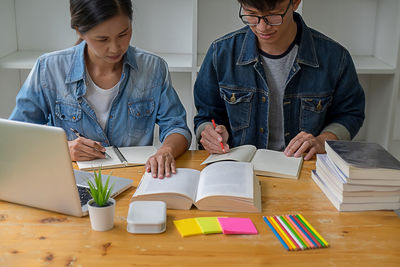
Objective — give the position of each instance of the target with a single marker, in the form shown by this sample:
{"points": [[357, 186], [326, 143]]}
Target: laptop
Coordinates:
{"points": [[36, 170]]}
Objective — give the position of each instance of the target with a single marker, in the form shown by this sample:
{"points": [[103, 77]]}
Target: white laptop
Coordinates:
{"points": [[36, 169]]}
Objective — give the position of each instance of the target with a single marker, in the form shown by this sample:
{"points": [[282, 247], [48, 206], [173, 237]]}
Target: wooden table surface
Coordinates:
{"points": [[32, 237]]}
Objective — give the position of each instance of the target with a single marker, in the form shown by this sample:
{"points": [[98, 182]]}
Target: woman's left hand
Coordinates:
{"points": [[307, 143], [161, 164]]}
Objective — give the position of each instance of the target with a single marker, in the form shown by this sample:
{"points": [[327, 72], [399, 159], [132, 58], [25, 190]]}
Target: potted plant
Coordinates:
{"points": [[101, 207]]}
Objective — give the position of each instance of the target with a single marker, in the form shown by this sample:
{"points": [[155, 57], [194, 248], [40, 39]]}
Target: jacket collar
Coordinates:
{"points": [[306, 53]]}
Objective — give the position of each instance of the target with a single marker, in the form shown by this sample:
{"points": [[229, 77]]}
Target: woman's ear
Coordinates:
{"points": [[79, 34]]}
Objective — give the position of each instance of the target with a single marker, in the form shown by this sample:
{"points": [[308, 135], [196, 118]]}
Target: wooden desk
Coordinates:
{"points": [[31, 237]]}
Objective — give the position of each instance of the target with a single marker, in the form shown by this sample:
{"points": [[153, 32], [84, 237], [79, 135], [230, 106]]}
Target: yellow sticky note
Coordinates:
{"points": [[188, 227], [209, 225]]}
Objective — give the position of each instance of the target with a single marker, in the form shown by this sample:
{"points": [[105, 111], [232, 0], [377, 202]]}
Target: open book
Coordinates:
{"points": [[223, 186], [266, 162], [120, 157]]}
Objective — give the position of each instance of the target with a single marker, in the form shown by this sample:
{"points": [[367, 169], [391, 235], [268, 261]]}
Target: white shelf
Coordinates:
{"points": [[178, 62], [26, 60], [372, 65], [20, 59]]}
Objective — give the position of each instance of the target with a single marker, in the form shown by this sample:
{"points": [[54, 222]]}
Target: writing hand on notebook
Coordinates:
{"points": [[85, 149], [308, 143], [214, 139]]}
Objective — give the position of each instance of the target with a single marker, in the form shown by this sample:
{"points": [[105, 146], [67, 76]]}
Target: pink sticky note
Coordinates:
{"points": [[237, 226]]}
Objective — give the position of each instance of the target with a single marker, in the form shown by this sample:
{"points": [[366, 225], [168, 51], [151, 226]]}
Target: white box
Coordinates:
{"points": [[147, 217]]}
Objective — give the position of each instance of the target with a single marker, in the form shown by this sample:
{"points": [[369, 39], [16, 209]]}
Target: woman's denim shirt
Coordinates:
{"points": [[322, 90], [54, 94]]}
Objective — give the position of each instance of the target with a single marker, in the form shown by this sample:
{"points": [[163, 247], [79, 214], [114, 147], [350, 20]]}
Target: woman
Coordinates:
{"points": [[105, 90]]}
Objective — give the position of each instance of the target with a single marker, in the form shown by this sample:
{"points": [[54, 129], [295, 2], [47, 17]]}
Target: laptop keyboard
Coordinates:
{"points": [[84, 194]]}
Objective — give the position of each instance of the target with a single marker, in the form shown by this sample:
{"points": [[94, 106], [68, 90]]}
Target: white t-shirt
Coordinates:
{"points": [[100, 99]]}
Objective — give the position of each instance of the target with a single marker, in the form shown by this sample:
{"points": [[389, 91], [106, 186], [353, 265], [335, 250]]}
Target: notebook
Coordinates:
{"points": [[36, 169], [120, 157]]}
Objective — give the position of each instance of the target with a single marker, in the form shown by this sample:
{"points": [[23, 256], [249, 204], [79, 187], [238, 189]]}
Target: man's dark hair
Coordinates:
{"points": [[86, 14], [261, 5]]}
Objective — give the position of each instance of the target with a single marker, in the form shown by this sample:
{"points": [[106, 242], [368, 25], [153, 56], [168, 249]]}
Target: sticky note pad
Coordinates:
{"points": [[237, 226], [188, 227], [209, 225]]}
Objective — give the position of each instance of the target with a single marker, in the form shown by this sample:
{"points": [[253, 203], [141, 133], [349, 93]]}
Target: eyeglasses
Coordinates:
{"points": [[273, 20]]}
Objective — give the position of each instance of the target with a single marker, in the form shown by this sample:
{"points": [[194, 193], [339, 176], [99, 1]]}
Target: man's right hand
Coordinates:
{"points": [[211, 139], [82, 149]]}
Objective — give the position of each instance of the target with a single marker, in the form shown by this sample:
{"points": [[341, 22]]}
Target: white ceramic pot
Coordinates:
{"points": [[101, 218]]}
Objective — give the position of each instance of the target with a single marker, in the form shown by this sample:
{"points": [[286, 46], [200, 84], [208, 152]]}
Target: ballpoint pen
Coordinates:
{"points": [[81, 135], [222, 145]]}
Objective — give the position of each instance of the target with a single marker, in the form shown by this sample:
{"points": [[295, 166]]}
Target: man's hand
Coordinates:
{"points": [[82, 149], [307, 143], [211, 139]]}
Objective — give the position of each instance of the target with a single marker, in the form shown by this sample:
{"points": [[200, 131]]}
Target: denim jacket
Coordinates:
{"points": [[54, 94], [322, 89]]}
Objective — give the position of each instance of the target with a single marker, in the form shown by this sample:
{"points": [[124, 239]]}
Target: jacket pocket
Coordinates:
{"points": [[238, 106], [313, 113], [67, 116], [140, 117]]}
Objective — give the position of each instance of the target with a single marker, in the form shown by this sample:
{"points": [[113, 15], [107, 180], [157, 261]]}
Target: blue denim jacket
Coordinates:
{"points": [[322, 89], [54, 94]]}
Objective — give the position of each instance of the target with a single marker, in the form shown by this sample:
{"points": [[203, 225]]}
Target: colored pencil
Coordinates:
{"points": [[309, 235], [316, 239], [296, 246], [314, 235], [275, 233], [312, 228], [286, 238], [287, 223], [300, 233], [294, 239]]}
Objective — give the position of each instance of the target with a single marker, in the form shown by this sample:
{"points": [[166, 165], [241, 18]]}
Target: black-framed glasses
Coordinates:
{"points": [[273, 20]]}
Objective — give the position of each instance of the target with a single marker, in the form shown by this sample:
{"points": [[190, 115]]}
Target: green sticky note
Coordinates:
{"points": [[188, 227], [209, 225]]}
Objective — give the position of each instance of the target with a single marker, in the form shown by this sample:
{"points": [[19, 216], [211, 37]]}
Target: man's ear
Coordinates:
{"points": [[296, 4]]}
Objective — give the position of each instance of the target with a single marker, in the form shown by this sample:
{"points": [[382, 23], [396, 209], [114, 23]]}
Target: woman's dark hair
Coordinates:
{"points": [[86, 14], [261, 5]]}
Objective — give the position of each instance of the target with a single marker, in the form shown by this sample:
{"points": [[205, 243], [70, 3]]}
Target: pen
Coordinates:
{"points": [[222, 146], [81, 135]]}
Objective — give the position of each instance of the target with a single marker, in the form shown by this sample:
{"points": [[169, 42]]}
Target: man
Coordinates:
{"points": [[276, 84]]}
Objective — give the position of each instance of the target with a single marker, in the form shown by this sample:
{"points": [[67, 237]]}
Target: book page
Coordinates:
{"points": [[184, 182], [113, 161], [226, 178], [137, 155], [241, 153], [275, 163]]}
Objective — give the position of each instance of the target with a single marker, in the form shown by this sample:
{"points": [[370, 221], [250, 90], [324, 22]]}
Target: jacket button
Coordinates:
{"points": [[73, 117], [111, 116], [262, 130], [319, 106], [138, 114], [233, 98], [263, 99]]}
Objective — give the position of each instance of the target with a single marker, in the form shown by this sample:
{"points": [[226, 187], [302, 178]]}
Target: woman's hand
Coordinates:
{"points": [[307, 143], [82, 149], [162, 164]]}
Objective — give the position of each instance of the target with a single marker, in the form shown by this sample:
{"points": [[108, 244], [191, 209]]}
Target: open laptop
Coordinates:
{"points": [[36, 169]]}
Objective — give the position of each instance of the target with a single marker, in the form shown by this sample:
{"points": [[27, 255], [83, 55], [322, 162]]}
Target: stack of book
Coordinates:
{"points": [[357, 176]]}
